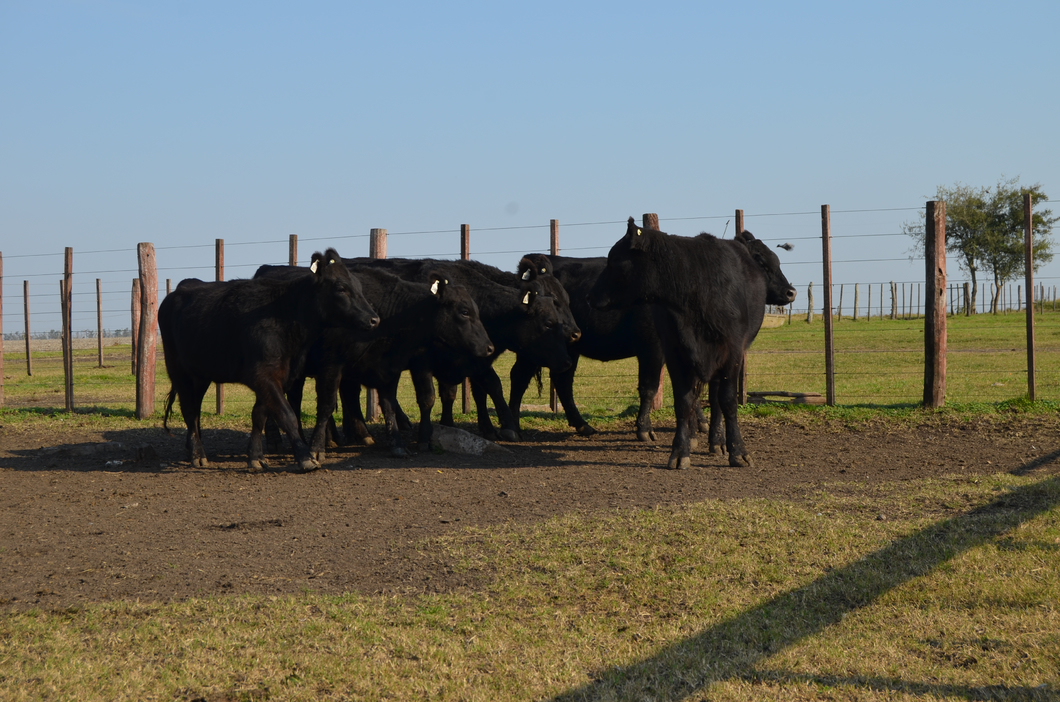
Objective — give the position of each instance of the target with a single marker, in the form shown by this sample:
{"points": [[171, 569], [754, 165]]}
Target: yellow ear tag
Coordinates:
{"points": [[434, 288], [313, 267], [331, 261], [526, 299], [638, 232], [526, 275]]}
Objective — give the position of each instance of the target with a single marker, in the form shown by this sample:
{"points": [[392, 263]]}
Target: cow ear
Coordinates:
{"points": [[316, 266], [438, 284], [527, 269], [639, 239]]}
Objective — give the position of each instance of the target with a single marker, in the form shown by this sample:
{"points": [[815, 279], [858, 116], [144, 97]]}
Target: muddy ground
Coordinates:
{"points": [[90, 516]]}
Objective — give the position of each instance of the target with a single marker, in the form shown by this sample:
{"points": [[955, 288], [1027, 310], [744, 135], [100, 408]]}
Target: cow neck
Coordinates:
{"points": [[300, 298], [500, 310], [404, 309]]}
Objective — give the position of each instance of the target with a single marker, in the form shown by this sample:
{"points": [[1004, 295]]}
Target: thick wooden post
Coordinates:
{"points": [[553, 248], [68, 332], [219, 274], [650, 220], [145, 363], [99, 321], [292, 251], [376, 249], [829, 340], [741, 383], [29, 356], [809, 303], [935, 305], [134, 323], [465, 255], [1028, 234]]}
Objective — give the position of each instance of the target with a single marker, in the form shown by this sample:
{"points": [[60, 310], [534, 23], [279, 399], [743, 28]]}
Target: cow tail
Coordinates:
{"points": [[169, 408], [537, 376]]}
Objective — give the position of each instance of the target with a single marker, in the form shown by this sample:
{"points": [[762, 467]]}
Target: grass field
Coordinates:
{"points": [[955, 595], [879, 363]]}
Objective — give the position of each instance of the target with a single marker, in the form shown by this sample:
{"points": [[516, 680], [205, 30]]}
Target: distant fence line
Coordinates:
{"points": [[902, 302]]}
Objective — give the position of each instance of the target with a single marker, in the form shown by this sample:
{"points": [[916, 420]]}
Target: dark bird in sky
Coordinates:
{"points": [[786, 246]]}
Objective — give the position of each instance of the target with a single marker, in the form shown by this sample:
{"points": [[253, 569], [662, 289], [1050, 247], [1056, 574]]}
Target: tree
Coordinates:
{"points": [[984, 230]]}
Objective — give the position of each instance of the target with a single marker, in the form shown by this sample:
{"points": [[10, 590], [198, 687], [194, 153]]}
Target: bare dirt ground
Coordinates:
{"points": [[92, 516]]}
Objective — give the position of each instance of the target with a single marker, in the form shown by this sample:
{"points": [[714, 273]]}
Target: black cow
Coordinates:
{"points": [[254, 332], [522, 319], [413, 318], [708, 300], [610, 335]]}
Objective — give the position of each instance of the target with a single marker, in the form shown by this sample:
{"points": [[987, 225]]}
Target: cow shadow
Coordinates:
{"points": [[734, 649]]}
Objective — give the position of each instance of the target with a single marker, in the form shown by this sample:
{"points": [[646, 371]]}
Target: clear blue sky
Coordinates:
{"points": [[179, 123]]}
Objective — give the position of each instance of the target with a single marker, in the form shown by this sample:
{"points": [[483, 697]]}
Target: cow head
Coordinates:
{"points": [[778, 290], [540, 338], [536, 276], [456, 321], [627, 280], [340, 299]]}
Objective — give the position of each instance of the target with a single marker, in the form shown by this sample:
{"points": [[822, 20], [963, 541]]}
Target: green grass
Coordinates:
{"points": [[945, 589], [879, 365]]}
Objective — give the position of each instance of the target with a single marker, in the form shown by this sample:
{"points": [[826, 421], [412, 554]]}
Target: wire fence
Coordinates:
{"points": [[879, 327]]}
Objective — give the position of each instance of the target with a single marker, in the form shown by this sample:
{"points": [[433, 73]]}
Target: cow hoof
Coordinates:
{"points": [[693, 443], [509, 435], [716, 449], [200, 462], [399, 452], [679, 463], [585, 430], [367, 441], [308, 465], [257, 464], [647, 437], [318, 455], [743, 461]]}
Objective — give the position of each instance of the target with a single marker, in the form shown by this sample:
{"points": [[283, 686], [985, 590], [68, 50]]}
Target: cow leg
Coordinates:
{"points": [[649, 377], [717, 436], [487, 382], [563, 382], [738, 456], [190, 395], [255, 453], [353, 425], [521, 375], [327, 384], [685, 395], [270, 394], [447, 394], [423, 382], [387, 401]]}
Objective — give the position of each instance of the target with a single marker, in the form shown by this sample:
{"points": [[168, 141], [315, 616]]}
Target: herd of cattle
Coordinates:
{"points": [[695, 304]]}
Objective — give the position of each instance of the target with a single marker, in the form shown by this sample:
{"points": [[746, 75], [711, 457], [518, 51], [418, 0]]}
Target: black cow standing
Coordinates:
{"points": [[610, 335], [521, 318], [254, 332], [708, 300], [413, 318]]}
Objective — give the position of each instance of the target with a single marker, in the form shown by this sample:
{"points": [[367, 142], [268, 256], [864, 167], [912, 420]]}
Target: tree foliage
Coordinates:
{"points": [[984, 229]]}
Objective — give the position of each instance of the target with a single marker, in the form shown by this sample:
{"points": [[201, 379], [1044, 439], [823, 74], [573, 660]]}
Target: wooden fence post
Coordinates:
{"points": [[1028, 254], [148, 322], [29, 356], [809, 303], [68, 332], [650, 220], [829, 341], [292, 251], [376, 249], [219, 274], [553, 249], [857, 302], [894, 300], [935, 305], [99, 321], [465, 255], [134, 324]]}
